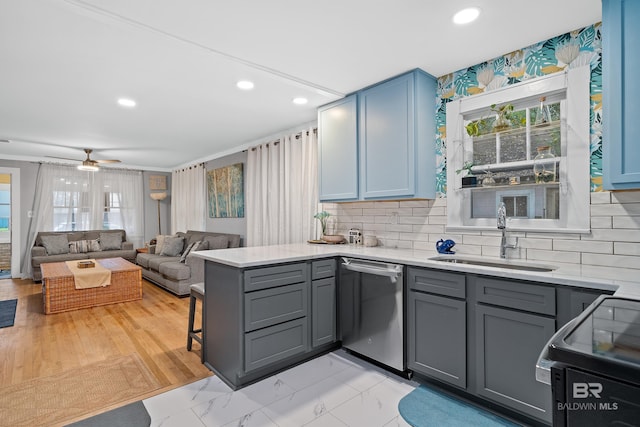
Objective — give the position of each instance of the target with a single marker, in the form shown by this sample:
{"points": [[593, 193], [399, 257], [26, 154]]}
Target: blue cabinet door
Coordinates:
{"points": [[338, 150], [621, 91], [397, 138], [387, 139]]}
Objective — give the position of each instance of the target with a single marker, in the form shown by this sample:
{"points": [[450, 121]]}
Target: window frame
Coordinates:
{"points": [[573, 175]]}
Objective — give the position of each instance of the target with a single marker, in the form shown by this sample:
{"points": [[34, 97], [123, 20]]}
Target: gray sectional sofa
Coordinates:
{"points": [[57, 246], [174, 270]]}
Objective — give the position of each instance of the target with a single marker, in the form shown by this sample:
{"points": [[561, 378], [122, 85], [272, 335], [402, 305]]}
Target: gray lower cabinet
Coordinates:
{"points": [[266, 346], [437, 337], [262, 320], [572, 302], [323, 311], [508, 344]]}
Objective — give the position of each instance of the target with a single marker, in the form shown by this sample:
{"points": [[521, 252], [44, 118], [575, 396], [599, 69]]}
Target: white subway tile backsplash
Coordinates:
{"points": [[405, 228], [553, 256], [622, 261], [481, 240], [419, 224], [414, 203], [631, 222], [616, 209], [626, 248], [583, 246], [602, 221], [600, 197], [614, 235], [533, 243], [625, 197]]}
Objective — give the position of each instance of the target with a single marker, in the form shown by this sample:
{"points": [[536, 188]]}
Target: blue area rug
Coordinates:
{"points": [[7, 312], [131, 415], [426, 407]]}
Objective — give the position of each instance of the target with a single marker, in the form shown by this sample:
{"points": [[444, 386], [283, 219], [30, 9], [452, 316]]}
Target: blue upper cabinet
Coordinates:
{"points": [[394, 145], [338, 150], [621, 94]]}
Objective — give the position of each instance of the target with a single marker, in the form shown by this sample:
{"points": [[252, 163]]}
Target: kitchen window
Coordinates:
{"points": [[538, 164]]}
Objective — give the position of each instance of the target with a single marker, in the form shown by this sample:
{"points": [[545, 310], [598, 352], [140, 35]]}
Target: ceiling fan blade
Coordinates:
{"points": [[105, 161]]}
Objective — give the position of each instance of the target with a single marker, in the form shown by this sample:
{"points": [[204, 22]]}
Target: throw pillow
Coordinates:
{"points": [[94, 245], [55, 244], [84, 246], [183, 258], [160, 242], [110, 241], [173, 246], [200, 246]]}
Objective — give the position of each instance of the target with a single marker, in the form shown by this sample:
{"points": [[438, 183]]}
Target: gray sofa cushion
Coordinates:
{"points": [[155, 262], [110, 241], [173, 246], [56, 244], [175, 270], [217, 242], [37, 261]]}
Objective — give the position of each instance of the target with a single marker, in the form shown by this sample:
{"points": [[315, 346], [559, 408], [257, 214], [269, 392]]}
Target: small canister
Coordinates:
{"points": [[370, 240], [355, 236]]}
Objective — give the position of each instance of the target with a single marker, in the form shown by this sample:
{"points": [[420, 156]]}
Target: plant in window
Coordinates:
{"points": [[468, 180], [467, 168], [504, 116]]}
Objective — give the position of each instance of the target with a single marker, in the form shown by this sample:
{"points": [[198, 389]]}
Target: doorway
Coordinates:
{"points": [[9, 222]]}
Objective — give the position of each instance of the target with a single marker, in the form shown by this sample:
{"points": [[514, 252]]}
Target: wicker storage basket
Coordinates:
{"points": [[60, 294]]}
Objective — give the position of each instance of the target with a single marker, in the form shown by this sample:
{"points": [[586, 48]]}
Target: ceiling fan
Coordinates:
{"points": [[88, 164]]}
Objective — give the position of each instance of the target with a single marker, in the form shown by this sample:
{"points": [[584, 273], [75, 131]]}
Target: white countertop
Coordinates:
{"points": [[625, 282]]}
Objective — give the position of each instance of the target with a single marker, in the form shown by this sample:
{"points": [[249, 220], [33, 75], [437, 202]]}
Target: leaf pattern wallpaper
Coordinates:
{"points": [[576, 48]]}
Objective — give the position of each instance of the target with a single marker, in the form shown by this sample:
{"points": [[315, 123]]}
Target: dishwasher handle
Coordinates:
{"points": [[392, 271]]}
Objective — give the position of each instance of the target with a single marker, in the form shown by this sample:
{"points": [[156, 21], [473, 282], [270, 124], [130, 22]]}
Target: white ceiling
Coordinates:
{"points": [[64, 63]]}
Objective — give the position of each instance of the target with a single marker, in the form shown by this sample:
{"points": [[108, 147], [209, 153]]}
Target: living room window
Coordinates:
{"points": [[526, 145]]}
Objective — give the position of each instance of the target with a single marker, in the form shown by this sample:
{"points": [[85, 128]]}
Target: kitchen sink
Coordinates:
{"points": [[496, 264]]}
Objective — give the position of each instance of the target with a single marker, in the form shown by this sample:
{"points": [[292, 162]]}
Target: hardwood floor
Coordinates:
{"points": [[155, 328]]}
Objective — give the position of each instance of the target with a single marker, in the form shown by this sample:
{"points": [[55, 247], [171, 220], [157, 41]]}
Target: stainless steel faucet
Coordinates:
{"points": [[502, 225]]}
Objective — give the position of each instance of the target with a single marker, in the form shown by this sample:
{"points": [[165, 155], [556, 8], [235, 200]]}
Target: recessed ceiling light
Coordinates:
{"points": [[126, 102], [300, 101], [245, 85], [466, 15]]}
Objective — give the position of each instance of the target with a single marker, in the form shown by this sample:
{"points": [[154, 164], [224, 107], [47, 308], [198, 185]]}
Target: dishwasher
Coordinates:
{"points": [[371, 311]]}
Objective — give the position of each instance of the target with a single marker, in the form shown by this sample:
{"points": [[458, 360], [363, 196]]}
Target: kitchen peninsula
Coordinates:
{"points": [[269, 308]]}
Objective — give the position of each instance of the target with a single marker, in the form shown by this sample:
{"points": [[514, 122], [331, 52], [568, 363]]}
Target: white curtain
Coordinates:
{"points": [[68, 199], [282, 190], [189, 198]]}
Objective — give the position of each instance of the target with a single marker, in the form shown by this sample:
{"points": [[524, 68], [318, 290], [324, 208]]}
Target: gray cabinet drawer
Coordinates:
{"points": [[437, 282], [262, 278], [323, 268], [276, 305], [522, 296], [270, 345]]}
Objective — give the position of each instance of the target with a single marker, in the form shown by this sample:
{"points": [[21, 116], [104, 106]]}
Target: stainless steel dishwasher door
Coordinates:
{"points": [[371, 310]]}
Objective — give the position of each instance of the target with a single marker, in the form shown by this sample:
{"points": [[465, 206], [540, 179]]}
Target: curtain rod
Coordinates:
{"points": [[190, 167], [297, 135]]}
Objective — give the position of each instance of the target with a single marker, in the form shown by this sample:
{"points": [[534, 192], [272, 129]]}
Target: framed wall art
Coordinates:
{"points": [[225, 188]]}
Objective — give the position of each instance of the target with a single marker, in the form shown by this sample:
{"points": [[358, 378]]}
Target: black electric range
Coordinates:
{"points": [[595, 375]]}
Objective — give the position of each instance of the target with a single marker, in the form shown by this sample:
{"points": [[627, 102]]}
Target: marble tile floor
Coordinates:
{"points": [[336, 389]]}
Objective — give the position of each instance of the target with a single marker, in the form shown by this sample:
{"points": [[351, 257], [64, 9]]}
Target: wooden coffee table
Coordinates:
{"points": [[59, 293]]}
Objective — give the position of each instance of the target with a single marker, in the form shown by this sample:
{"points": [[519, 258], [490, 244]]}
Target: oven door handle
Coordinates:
{"points": [[392, 271], [543, 365]]}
